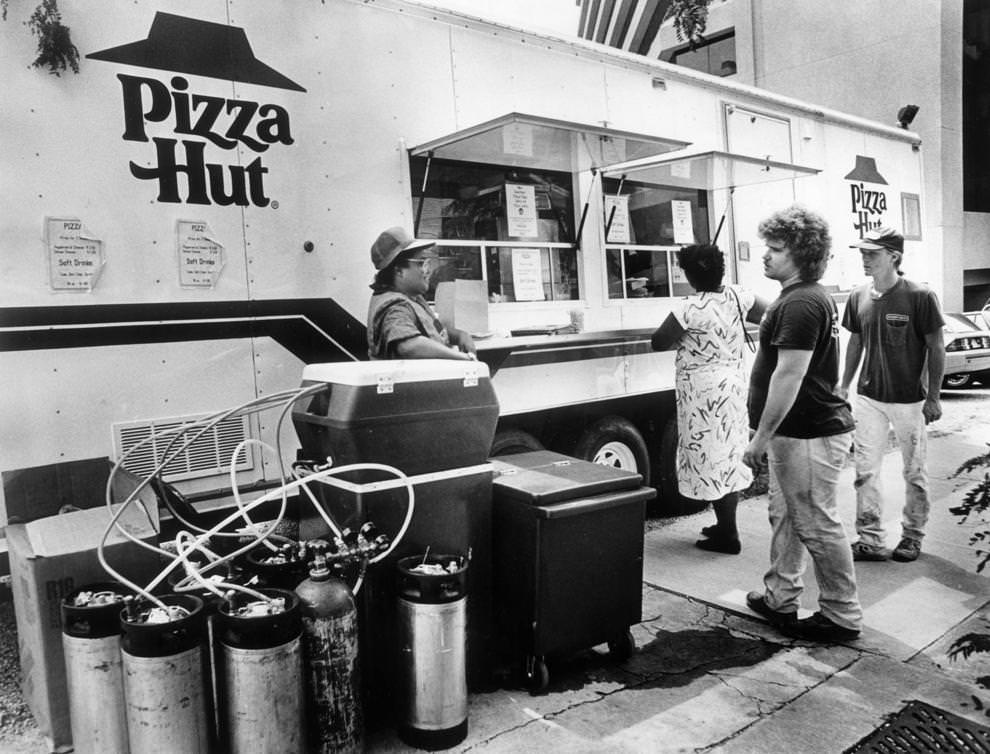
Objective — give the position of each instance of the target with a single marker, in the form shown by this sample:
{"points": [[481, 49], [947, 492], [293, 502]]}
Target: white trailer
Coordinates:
{"points": [[188, 218]]}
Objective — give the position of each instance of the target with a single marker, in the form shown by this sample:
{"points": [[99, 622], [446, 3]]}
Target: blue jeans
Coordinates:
{"points": [[804, 475], [873, 422]]}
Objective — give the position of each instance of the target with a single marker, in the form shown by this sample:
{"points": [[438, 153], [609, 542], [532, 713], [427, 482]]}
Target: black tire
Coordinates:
{"points": [[538, 679], [511, 441], [621, 648], [670, 502], [614, 441], [956, 381]]}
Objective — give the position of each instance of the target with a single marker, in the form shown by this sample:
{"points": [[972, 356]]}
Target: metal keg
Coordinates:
{"points": [[165, 664], [432, 675], [260, 671], [95, 682]]}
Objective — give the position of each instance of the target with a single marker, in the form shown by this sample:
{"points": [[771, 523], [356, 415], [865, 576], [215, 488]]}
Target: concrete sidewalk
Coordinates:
{"points": [[709, 675]]}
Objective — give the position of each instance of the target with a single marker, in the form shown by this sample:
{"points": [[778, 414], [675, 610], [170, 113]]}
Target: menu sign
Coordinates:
{"points": [[75, 257], [527, 275], [201, 257], [520, 201]]}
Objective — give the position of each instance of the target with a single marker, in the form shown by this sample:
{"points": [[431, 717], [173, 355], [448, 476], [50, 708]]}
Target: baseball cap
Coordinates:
{"points": [[881, 238], [392, 242]]}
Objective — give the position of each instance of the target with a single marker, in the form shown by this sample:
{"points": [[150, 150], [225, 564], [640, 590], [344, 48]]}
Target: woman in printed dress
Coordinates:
{"points": [[708, 331]]}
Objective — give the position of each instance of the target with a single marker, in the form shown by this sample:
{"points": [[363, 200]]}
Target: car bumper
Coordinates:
{"points": [[964, 362]]}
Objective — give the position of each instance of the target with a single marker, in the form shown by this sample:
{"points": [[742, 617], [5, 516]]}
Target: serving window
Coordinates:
{"points": [[509, 226], [645, 224]]}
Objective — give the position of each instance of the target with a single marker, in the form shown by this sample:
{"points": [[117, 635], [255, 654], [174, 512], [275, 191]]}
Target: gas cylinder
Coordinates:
{"points": [[432, 674], [91, 644], [259, 656], [330, 650], [164, 657]]}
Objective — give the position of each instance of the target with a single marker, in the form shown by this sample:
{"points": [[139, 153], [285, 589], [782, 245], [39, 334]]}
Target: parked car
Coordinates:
{"points": [[967, 347]]}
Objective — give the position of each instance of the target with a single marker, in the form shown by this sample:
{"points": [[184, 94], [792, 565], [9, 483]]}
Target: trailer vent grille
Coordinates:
{"points": [[208, 456]]}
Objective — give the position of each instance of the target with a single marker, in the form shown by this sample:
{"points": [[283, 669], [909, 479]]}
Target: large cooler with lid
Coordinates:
{"points": [[568, 557], [419, 415]]}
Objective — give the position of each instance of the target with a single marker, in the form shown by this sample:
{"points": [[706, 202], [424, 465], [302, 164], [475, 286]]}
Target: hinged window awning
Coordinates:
{"points": [[535, 142], [710, 171]]}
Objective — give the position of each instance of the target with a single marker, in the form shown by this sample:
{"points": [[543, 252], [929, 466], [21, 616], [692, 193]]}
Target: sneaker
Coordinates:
{"points": [[907, 550], [756, 602], [863, 551], [821, 629]]}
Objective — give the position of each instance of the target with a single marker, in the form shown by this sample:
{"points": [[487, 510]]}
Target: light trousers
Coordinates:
{"points": [[873, 423], [804, 475]]}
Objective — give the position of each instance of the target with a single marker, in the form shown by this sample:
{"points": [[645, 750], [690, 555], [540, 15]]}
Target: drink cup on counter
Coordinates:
{"points": [[577, 319]]}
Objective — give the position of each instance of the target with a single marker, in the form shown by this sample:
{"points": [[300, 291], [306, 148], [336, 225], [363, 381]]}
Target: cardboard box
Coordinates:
{"points": [[56, 554]]}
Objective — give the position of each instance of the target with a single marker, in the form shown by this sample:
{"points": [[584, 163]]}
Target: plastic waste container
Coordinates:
{"points": [[568, 557]]}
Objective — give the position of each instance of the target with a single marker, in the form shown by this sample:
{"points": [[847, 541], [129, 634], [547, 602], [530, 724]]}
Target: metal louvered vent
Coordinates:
{"points": [[209, 455]]}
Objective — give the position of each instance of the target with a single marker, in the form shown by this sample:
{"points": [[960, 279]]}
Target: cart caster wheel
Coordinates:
{"points": [[537, 675], [622, 647]]}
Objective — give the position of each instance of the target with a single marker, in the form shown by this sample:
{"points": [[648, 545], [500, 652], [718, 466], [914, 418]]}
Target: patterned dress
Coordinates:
{"points": [[711, 382]]}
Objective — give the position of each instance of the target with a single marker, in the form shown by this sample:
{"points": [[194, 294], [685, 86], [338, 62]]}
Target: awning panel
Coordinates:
{"points": [[710, 171], [535, 142]]}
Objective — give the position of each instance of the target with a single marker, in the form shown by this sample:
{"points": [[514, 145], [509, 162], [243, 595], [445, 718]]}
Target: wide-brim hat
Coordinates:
{"points": [[393, 242], [200, 48], [881, 238]]}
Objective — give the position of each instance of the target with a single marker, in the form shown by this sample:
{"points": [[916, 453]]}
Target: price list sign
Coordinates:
{"points": [[201, 257], [75, 256]]}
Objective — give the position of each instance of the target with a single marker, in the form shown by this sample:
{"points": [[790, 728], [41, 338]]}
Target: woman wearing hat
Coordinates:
{"points": [[401, 324]]}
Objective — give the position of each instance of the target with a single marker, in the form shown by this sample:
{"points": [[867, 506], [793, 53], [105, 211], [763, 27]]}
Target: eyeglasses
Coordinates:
{"points": [[423, 264]]}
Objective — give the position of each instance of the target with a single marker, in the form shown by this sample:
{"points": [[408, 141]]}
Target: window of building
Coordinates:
{"points": [[715, 55], [976, 106], [512, 227], [640, 240]]}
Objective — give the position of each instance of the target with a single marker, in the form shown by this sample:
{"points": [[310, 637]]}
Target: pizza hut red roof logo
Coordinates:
{"points": [[194, 132]]}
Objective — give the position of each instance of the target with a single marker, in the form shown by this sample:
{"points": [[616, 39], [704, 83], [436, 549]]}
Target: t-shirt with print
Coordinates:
{"points": [[893, 326], [803, 318]]}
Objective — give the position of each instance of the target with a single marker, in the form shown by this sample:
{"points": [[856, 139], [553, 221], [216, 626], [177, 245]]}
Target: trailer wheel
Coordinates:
{"points": [[614, 441], [670, 501], [511, 441]]}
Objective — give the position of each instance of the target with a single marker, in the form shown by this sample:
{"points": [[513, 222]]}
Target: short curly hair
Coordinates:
{"points": [[806, 234], [703, 265]]}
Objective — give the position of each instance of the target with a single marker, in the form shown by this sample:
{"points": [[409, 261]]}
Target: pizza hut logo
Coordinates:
{"points": [[197, 121]]}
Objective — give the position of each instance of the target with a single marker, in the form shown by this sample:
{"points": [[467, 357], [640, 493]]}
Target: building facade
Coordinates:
{"points": [[867, 59]]}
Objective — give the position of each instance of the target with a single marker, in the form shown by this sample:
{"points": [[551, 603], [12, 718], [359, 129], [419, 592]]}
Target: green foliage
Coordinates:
{"points": [[55, 49], [690, 19], [975, 506]]}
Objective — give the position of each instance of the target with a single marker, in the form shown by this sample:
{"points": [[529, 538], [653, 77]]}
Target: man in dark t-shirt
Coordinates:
{"points": [[895, 328], [804, 428]]}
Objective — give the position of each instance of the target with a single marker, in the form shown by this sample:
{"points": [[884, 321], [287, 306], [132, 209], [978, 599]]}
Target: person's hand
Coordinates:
{"points": [[463, 341], [755, 454], [932, 410]]}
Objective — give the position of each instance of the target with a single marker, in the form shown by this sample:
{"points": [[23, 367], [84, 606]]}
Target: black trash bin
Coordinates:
{"points": [[568, 557]]}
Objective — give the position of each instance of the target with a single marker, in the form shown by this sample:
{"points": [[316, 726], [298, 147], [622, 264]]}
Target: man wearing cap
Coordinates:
{"points": [[896, 330], [401, 324]]}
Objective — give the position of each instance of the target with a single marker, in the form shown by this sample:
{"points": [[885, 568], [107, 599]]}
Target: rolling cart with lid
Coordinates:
{"points": [[568, 558]]}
